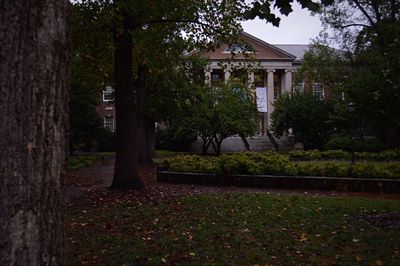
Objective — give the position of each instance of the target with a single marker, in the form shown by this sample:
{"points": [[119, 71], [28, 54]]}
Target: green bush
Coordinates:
{"points": [[191, 163], [335, 154], [338, 143], [272, 163], [77, 162], [305, 155], [344, 143], [172, 140], [105, 140], [388, 155]]}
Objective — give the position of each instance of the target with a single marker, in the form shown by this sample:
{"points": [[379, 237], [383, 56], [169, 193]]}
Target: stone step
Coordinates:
{"points": [[235, 144]]}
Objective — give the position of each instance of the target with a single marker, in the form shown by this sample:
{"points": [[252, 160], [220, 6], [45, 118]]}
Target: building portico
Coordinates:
{"points": [[259, 65]]}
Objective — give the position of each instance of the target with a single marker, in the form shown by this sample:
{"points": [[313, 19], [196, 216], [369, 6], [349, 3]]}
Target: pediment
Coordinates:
{"points": [[261, 50]]}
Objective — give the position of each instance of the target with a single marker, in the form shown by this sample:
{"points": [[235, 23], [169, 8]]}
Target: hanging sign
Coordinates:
{"points": [[262, 99]]}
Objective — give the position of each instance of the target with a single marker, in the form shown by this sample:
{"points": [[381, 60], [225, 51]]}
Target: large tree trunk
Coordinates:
{"points": [[145, 124], [126, 172], [33, 144]]}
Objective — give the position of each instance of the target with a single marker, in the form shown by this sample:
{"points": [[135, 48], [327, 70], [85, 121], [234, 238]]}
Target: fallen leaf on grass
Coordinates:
{"points": [[303, 237]]}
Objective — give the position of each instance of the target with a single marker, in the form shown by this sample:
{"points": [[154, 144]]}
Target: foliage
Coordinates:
{"points": [[105, 140], [232, 228], [344, 143], [173, 140], [368, 33], [304, 114], [82, 161], [90, 69], [388, 155], [271, 163], [323, 64], [84, 122], [215, 113]]}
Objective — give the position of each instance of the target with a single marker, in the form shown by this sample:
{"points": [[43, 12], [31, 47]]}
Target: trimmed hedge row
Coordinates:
{"points": [[388, 155], [271, 163]]}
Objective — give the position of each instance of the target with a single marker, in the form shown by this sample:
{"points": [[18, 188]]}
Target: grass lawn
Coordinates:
{"points": [[236, 229]]}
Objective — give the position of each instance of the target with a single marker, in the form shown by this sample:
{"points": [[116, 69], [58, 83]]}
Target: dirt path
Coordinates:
{"points": [[95, 180]]}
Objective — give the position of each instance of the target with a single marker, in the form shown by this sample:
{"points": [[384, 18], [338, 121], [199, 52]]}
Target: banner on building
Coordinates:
{"points": [[262, 99]]}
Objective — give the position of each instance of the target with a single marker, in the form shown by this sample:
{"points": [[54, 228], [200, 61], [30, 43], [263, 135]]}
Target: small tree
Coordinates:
{"points": [[306, 115], [216, 113]]}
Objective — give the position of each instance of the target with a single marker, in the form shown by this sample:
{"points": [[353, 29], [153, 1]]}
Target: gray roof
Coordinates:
{"points": [[297, 50]]}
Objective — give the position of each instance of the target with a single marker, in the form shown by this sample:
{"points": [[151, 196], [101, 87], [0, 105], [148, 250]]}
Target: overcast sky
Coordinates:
{"points": [[297, 28]]}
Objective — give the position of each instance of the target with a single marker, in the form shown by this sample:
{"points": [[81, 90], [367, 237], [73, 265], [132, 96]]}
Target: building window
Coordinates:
{"points": [[318, 90], [217, 75], [239, 77], [259, 78], [108, 94], [298, 87], [277, 85], [109, 123]]}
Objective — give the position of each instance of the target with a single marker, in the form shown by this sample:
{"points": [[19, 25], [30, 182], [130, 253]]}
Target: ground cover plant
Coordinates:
{"points": [[80, 161], [233, 229], [271, 163]]}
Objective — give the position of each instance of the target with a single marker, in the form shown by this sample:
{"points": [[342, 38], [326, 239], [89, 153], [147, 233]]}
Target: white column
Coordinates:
{"points": [[271, 99], [288, 81], [207, 74], [227, 74]]}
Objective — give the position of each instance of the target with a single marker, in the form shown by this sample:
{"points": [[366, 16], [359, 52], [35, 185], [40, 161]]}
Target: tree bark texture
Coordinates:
{"points": [[34, 60], [126, 172], [145, 124]]}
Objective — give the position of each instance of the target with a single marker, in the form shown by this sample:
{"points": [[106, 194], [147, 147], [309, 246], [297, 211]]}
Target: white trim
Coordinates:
{"points": [[113, 123], [321, 96], [107, 91]]}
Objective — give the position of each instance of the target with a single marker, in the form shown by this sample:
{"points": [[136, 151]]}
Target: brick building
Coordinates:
{"points": [[270, 71]]}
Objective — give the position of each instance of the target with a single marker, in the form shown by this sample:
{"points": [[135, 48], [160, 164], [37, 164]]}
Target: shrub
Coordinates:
{"points": [[173, 140], [81, 161], [305, 115], [338, 143], [305, 155], [335, 154], [276, 164], [105, 140], [344, 143], [191, 163], [388, 155]]}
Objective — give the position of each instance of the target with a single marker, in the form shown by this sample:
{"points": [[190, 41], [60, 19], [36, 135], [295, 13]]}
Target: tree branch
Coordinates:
{"points": [[195, 21], [355, 25], [362, 9]]}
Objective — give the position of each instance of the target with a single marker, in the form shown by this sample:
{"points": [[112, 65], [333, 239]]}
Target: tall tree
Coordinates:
{"points": [[204, 22], [370, 31], [34, 60]]}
